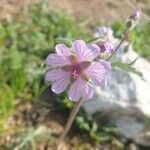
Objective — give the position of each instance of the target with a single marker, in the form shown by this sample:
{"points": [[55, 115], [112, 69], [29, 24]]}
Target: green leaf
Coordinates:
{"points": [[82, 123], [100, 136], [109, 129], [128, 68], [92, 40], [133, 62], [64, 41]]}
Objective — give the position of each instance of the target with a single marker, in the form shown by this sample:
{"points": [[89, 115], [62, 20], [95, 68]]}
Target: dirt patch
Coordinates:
{"points": [[30, 118], [30, 115]]}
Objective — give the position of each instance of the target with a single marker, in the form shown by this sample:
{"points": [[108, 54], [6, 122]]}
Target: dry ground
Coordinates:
{"points": [[30, 115], [90, 10]]}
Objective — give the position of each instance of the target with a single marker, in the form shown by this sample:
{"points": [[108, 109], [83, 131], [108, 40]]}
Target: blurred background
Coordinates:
{"points": [[31, 116]]}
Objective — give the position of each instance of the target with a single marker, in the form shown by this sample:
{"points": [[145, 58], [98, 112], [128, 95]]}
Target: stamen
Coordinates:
{"points": [[77, 68], [74, 74], [85, 77]]}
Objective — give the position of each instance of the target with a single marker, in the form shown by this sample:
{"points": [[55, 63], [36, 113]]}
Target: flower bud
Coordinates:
{"points": [[135, 16], [106, 47], [133, 20]]}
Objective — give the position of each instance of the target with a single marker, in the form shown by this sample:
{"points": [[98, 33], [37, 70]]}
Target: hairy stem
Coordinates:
{"points": [[69, 122], [118, 46]]}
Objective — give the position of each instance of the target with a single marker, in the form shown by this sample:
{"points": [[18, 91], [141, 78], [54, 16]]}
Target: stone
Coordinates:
{"points": [[126, 97]]}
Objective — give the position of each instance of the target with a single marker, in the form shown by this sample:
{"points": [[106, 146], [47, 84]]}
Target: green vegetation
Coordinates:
{"points": [[24, 45], [94, 125], [140, 37]]}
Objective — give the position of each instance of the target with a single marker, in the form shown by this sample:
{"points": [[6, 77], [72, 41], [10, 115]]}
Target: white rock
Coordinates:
{"points": [[126, 96]]}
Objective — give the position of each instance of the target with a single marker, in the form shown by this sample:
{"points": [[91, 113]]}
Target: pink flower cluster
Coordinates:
{"points": [[75, 69]]}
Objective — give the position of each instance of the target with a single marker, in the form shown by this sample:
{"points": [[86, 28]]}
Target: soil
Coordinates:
{"points": [[34, 115], [50, 117]]}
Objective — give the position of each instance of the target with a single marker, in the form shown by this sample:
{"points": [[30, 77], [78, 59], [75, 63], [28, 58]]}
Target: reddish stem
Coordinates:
{"points": [[118, 46], [69, 123]]}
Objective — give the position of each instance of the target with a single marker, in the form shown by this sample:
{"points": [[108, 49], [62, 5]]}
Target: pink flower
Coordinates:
{"points": [[74, 68], [106, 47]]}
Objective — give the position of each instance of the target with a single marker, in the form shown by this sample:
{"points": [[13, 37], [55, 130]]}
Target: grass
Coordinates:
{"points": [[24, 45]]}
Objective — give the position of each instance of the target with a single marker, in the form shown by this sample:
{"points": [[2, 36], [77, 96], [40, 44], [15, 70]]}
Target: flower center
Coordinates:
{"points": [[77, 68]]}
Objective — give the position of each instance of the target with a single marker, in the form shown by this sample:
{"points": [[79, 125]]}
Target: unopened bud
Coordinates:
{"points": [[106, 47], [135, 16], [133, 20]]}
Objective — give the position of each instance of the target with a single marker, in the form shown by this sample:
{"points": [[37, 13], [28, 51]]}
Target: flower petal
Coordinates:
{"points": [[80, 89], [62, 50], [87, 91], [74, 92], [95, 49], [55, 74], [83, 53], [106, 64], [97, 72], [56, 60], [61, 84]]}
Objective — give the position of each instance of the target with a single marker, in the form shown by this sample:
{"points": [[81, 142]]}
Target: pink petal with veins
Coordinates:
{"points": [[56, 60], [61, 83], [56, 74], [62, 50], [97, 72], [82, 52], [80, 89]]}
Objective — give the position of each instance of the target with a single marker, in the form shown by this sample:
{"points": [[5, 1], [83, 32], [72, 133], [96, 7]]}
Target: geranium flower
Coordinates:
{"points": [[76, 69]]}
